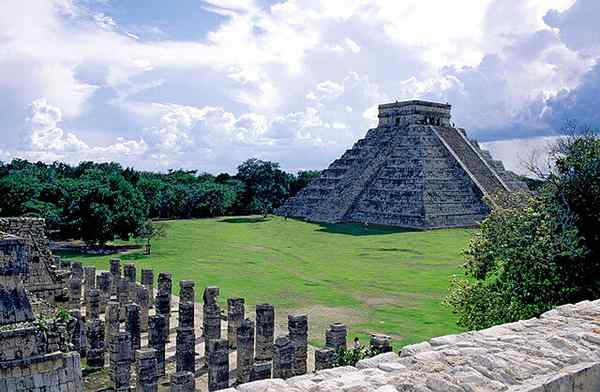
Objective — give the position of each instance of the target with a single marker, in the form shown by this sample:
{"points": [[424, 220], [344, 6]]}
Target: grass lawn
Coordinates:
{"points": [[375, 280]]}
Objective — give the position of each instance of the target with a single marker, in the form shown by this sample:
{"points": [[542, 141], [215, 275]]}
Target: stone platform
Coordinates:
{"points": [[559, 352]]}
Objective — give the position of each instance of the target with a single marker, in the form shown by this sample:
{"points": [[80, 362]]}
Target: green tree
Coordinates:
{"points": [[150, 231], [536, 250], [266, 186]]}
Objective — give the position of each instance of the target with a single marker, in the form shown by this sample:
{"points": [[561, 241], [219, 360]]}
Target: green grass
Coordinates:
{"points": [[375, 280]]}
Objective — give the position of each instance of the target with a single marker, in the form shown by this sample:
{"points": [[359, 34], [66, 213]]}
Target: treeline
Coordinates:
{"points": [[98, 202]]}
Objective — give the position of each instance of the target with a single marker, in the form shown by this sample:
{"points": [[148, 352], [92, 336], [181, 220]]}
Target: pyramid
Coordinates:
{"points": [[414, 170]]}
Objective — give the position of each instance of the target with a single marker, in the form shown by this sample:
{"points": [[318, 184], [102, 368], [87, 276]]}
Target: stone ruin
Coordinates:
{"points": [[32, 358], [414, 170], [183, 347], [46, 278]]}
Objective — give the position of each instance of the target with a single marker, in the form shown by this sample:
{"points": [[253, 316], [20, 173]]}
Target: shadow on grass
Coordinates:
{"points": [[252, 219], [360, 230]]}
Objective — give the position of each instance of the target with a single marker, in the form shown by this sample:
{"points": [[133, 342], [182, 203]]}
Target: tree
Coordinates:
{"points": [[150, 231], [536, 250], [266, 186], [302, 180], [101, 208]]}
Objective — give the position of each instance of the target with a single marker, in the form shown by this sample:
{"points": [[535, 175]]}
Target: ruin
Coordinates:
{"points": [[31, 358], [414, 170]]}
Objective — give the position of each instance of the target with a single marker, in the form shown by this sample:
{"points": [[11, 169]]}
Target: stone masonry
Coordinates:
{"points": [[414, 170], [265, 331], [560, 351], [30, 360]]}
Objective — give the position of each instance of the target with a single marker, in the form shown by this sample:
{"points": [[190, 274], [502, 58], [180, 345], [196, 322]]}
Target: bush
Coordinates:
{"points": [[536, 251]]}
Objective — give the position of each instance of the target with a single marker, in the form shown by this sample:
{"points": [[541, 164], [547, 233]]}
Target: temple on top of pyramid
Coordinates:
{"points": [[414, 170]]}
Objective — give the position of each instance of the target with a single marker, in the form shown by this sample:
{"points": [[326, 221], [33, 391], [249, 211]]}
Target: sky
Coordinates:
{"points": [[204, 85]]}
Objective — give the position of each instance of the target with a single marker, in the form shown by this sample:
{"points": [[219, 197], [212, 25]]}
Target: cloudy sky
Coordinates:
{"points": [[206, 84]]}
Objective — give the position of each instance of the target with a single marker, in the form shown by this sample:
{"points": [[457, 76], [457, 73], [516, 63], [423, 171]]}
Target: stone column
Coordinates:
{"points": [[115, 271], [298, 334], [132, 289], [147, 379], [157, 340], [380, 343], [185, 350], [132, 326], [77, 270], [104, 282], [235, 315], [212, 314], [89, 280], [64, 263], [183, 382], [129, 272], [265, 331], [143, 300], [186, 291], [324, 358], [218, 364], [261, 371], [112, 319], [336, 336], [245, 351], [123, 297], [95, 337], [75, 293], [92, 307], [186, 314], [283, 358], [163, 299], [148, 282], [78, 338], [120, 361]]}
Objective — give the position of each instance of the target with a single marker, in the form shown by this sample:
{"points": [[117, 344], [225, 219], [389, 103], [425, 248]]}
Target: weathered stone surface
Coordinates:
{"points": [[185, 353], [283, 358], [183, 382], [298, 334], [75, 293], [143, 300], [79, 336], [96, 343], [77, 270], [261, 370], [146, 369], [336, 336], [89, 281], [44, 277], [186, 314], [115, 271], [132, 326], [129, 272], [245, 351], [235, 315], [212, 314], [148, 282], [380, 343], [92, 307], [120, 361], [416, 153], [560, 351], [104, 283], [265, 331], [324, 358], [163, 299], [112, 319], [123, 297], [186, 291], [218, 364], [157, 340]]}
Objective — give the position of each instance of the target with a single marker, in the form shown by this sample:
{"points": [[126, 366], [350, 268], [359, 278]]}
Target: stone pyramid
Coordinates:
{"points": [[414, 170]]}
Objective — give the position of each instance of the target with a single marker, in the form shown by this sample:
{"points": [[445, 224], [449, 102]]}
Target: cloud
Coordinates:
{"points": [[286, 81]]}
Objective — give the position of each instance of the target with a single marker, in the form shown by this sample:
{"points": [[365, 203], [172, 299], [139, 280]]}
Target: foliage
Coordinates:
{"points": [[349, 357], [536, 251], [98, 202]]}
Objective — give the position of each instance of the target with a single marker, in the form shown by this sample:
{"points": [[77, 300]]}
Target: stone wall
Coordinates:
{"points": [[44, 278], [560, 351], [417, 172]]}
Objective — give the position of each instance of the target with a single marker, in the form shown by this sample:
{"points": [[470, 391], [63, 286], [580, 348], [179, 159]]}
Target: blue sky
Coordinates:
{"points": [[206, 84]]}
